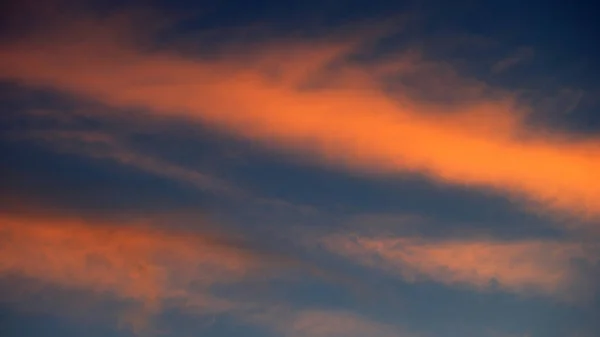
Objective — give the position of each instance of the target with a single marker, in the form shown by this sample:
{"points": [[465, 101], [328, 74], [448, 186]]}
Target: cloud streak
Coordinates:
{"points": [[285, 96], [327, 323], [101, 145], [520, 56], [524, 267]]}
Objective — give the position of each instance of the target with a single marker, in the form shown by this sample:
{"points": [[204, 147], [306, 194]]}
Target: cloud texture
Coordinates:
{"points": [[308, 98]]}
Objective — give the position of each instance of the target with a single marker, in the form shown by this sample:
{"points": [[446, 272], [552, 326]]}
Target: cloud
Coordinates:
{"points": [[337, 324], [522, 55], [129, 262], [307, 98], [325, 323], [151, 269], [525, 267], [102, 145]]}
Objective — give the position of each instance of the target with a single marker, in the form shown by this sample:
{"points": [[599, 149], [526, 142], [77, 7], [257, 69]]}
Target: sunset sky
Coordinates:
{"points": [[299, 169]]}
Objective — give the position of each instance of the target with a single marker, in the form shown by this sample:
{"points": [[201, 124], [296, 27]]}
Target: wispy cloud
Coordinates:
{"points": [[520, 56], [327, 323], [525, 267], [304, 97], [107, 146], [102, 145]]}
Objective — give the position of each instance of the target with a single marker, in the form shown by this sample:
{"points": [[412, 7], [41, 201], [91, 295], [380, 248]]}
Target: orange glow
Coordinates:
{"points": [[347, 120], [128, 262], [523, 266]]}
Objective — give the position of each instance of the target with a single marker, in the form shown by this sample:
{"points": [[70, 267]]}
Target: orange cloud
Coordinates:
{"points": [[542, 267], [150, 267], [282, 96], [156, 269]]}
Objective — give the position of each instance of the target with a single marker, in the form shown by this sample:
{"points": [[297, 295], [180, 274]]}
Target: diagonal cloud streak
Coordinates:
{"points": [[341, 117], [102, 145]]}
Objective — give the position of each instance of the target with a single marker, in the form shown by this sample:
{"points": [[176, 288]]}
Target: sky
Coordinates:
{"points": [[299, 169]]}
